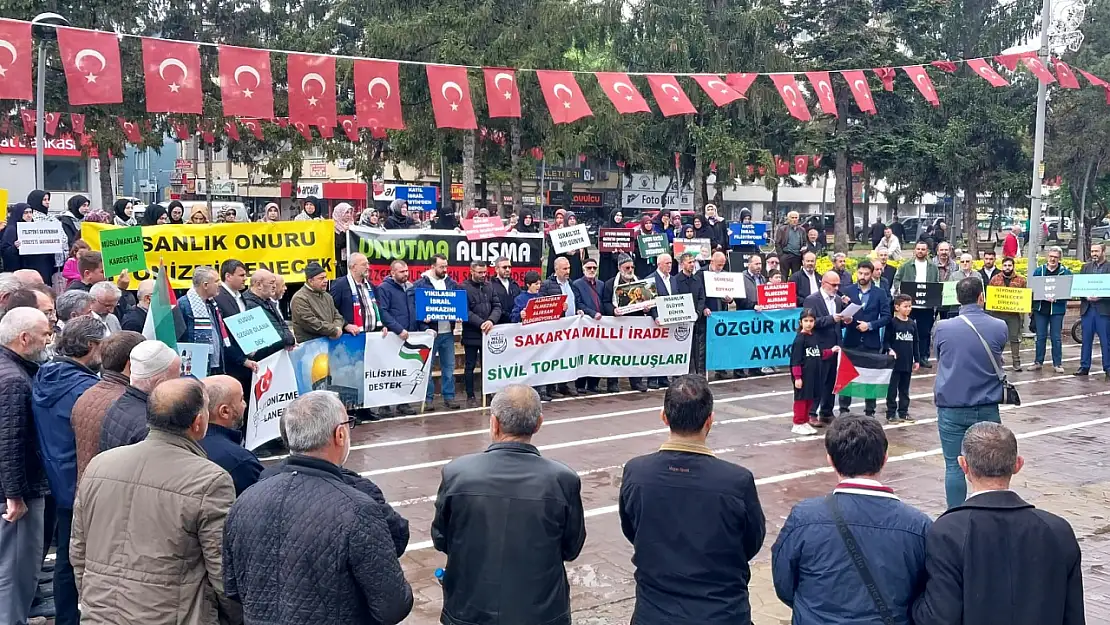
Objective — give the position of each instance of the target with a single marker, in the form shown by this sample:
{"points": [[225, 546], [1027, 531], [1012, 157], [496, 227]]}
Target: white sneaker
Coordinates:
{"points": [[767, 370], [1058, 369], [803, 429]]}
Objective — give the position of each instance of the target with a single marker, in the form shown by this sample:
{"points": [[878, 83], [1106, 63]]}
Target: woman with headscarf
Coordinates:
{"points": [[198, 214], [271, 213], [124, 213], [559, 222], [176, 211], [341, 215], [668, 223], [310, 209], [607, 261], [644, 266], [525, 223], [98, 216], [156, 215], [445, 219], [76, 207], [370, 219], [398, 217], [9, 244], [46, 264], [750, 248], [578, 257]]}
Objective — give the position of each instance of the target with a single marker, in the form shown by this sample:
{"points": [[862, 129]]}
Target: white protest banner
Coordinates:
{"points": [[397, 370], [570, 239], [40, 237], [675, 309], [724, 284], [566, 349], [273, 386]]}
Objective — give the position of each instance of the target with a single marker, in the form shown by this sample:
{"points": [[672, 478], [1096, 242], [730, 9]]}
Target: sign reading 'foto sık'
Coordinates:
{"points": [[570, 239]]}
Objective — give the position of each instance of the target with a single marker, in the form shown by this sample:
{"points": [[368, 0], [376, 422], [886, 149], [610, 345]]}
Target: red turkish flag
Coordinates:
{"points": [[130, 130], [51, 122], [1039, 70], [350, 127], [207, 136], [91, 62], [312, 89], [253, 125], [923, 83], [77, 123], [450, 91], [246, 86], [304, 129], [171, 72], [720, 92], [816, 158], [669, 97], [231, 129], [801, 164], [984, 69], [563, 96], [791, 96], [945, 66], [861, 91], [782, 166], [326, 132], [885, 74], [857, 168], [502, 95], [282, 122], [28, 118], [622, 93], [1064, 75], [740, 82], [1010, 61], [378, 95], [181, 130], [15, 72], [1094, 80], [822, 86]]}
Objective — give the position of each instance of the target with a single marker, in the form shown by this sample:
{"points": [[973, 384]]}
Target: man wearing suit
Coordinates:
{"points": [[560, 284], [589, 288], [664, 285], [686, 281], [863, 332], [505, 289], [1094, 312], [229, 300], [753, 278], [919, 269], [807, 280], [354, 297], [626, 272], [827, 304]]}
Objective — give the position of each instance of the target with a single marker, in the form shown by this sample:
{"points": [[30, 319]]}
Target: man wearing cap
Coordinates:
{"points": [[152, 363], [314, 311], [626, 268]]}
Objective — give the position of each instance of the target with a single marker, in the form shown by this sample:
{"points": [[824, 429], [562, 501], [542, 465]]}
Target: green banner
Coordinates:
{"points": [[122, 249], [652, 245]]}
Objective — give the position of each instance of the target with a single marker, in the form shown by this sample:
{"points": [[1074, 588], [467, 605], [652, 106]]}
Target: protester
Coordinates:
{"points": [[446, 219], [1010, 247], [90, 266], [532, 282], [864, 333], [9, 244], [968, 389], [167, 568], [353, 296], [198, 214], [124, 423], [443, 348], [69, 268], [310, 209], [176, 210], [900, 340], [155, 215], [667, 224], [718, 227], [966, 270], [343, 217], [88, 411], [1008, 278], [261, 295], [1048, 314], [833, 547], [607, 261], [504, 287], [884, 272], [229, 302], [37, 296], [995, 559], [690, 568], [525, 223], [947, 269], [314, 312], [1095, 315], [398, 216], [988, 270], [745, 249], [827, 306], [664, 285], [918, 270], [76, 207], [204, 323], [559, 222], [533, 521], [806, 279], [135, 319], [223, 443], [398, 315], [809, 363], [644, 265], [72, 304], [560, 283], [877, 232], [483, 311], [24, 334], [45, 264], [625, 266], [9, 284], [813, 243], [106, 296], [686, 282]]}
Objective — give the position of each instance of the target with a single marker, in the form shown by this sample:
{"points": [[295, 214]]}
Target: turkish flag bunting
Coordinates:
{"points": [[326, 132], [1010, 61], [378, 133], [378, 95], [782, 166], [77, 123], [282, 122], [1094, 80], [822, 86], [312, 89], [801, 164], [720, 92], [792, 96], [253, 125], [945, 66], [622, 93], [246, 86], [450, 91], [984, 69], [502, 95], [181, 130], [669, 97], [92, 66], [751, 170], [816, 160], [130, 130], [28, 118], [171, 71], [207, 136], [923, 83], [861, 91], [740, 82], [350, 127], [231, 129], [15, 66], [563, 96], [857, 168], [304, 129], [51, 122], [885, 74], [1064, 75], [1039, 70]]}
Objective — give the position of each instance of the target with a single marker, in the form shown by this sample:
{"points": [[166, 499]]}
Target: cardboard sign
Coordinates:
{"points": [[615, 240], [570, 239], [634, 296], [948, 298], [1051, 287], [543, 309], [40, 237], [482, 228], [776, 296], [1009, 299], [122, 248], [675, 309], [924, 294], [1091, 285], [194, 359], [700, 247], [738, 261], [724, 284], [433, 305], [652, 245], [252, 330], [748, 234]]}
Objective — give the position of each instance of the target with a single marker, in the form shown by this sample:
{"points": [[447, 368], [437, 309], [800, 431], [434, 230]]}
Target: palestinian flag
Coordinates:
{"points": [[409, 351], [863, 374], [160, 323]]}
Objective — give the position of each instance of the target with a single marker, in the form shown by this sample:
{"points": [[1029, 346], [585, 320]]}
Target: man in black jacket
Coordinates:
{"points": [[483, 311], [996, 559], [508, 568], [625, 274], [504, 287], [152, 363], [590, 289], [828, 304], [261, 295], [806, 281], [281, 534], [686, 281], [224, 441], [560, 284], [229, 299], [353, 295]]}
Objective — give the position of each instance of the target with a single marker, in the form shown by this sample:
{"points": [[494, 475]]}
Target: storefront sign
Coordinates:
{"points": [[317, 170], [746, 339], [60, 145], [310, 189], [577, 198], [219, 187]]}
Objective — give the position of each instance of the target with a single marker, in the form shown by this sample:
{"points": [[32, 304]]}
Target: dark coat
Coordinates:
{"points": [[876, 313], [21, 470], [134, 320], [1102, 306], [878, 231], [345, 298], [507, 297], [233, 358], [997, 560], [287, 533], [482, 306], [57, 386], [695, 287], [607, 290], [826, 329], [550, 288], [802, 281], [590, 296], [125, 421], [511, 515], [808, 363], [224, 446], [253, 301], [393, 303]]}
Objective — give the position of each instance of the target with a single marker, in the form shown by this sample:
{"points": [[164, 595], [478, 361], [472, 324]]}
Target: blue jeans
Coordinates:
{"points": [[1049, 327], [1095, 324], [443, 350], [953, 424]]}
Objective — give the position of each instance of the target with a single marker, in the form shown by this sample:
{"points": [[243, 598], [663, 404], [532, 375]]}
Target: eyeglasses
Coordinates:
{"points": [[350, 423], [590, 268]]}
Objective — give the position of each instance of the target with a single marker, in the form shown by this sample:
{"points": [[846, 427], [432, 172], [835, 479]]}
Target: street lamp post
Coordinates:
{"points": [[1038, 148], [43, 25]]}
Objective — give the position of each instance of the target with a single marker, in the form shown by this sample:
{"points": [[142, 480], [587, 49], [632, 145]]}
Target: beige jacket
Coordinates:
{"points": [[148, 525], [314, 314]]}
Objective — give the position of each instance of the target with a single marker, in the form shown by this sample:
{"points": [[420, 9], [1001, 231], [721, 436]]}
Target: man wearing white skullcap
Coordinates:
{"points": [[152, 362]]}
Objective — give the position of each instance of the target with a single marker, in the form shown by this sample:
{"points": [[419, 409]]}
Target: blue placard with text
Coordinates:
{"points": [[747, 234], [252, 330], [432, 305], [746, 339], [1090, 285]]}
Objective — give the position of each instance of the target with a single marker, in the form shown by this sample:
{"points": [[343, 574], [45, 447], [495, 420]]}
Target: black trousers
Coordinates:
{"points": [[899, 390], [697, 348], [827, 398], [788, 264], [924, 318], [65, 584], [587, 383], [473, 354]]}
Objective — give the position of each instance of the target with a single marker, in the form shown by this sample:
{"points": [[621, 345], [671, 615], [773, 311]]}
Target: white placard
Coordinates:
{"points": [[40, 237], [675, 309], [396, 370], [570, 239], [273, 386], [724, 284]]}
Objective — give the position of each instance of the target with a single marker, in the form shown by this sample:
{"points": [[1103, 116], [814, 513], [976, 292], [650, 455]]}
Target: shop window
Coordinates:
{"points": [[66, 174]]}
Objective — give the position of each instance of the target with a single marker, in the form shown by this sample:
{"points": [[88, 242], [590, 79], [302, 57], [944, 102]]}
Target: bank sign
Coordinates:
{"points": [[418, 197], [61, 145]]}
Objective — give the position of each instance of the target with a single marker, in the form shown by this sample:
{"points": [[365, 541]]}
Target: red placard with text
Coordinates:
{"points": [[540, 309], [481, 228], [775, 296]]}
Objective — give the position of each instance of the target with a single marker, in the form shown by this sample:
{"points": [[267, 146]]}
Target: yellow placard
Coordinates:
{"points": [[1009, 299], [283, 247], [3, 205]]}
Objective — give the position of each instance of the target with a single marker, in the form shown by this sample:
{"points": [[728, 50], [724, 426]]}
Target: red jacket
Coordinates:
{"points": [[1010, 246]]}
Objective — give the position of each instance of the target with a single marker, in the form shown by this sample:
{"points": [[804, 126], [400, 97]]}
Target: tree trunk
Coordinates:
{"points": [[699, 181], [209, 156], [774, 205], [445, 183], [971, 218], [514, 156], [498, 200], [107, 191], [840, 207], [468, 170], [1082, 244]]}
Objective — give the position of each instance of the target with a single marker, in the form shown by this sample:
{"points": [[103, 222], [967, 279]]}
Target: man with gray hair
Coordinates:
{"points": [[73, 304], [508, 568], [105, 297], [306, 509], [8, 284], [995, 559], [203, 321], [125, 423], [135, 319]]}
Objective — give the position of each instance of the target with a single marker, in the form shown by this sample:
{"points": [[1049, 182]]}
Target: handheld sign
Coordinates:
{"points": [[634, 296], [40, 237], [948, 298], [570, 239], [614, 240], [481, 228], [924, 294], [652, 245], [747, 234], [675, 309], [252, 330], [1009, 299], [122, 249], [1051, 287], [745, 339], [1091, 285], [724, 284], [776, 296], [433, 305], [194, 359], [543, 309], [701, 248]]}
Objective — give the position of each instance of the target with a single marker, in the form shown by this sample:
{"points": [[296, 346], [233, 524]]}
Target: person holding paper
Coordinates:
{"points": [[261, 295], [664, 285], [45, 264], [827, 304], [1009, 278], [871, 317], [1048, 314], [229, 299], [1095, 315], [443, 348], [626, 267], [687, 282], [483, 311], [560, 284], [9, 248]]}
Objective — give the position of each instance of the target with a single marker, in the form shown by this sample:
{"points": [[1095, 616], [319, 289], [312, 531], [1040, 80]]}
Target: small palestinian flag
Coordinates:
{"points": [[863, 374], [415, 352]]}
